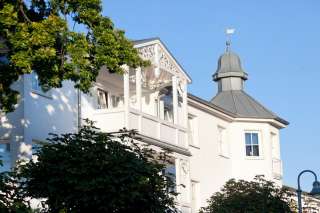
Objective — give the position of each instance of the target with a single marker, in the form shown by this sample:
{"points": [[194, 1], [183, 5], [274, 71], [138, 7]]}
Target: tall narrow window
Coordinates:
{"points": [[116, 100], [170, 172], [252, 144], [195, 191], [35, 84], [222, 142], [166, 98], [103, 102], [275, 146], [5, 154], [192, 130]]}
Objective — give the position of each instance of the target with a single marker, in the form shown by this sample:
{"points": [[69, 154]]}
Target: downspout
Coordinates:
{"points": [[79, 108]]}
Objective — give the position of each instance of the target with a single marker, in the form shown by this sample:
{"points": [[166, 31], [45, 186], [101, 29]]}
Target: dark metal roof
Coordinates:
{"points": [[229, 65], [242, 105], [207, 103], [229, 112]]}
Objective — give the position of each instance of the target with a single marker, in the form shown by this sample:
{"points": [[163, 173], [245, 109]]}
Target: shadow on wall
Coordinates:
{"points": [[37, 114]]}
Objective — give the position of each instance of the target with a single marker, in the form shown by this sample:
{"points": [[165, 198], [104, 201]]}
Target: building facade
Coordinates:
{"points": [[230, 136]]}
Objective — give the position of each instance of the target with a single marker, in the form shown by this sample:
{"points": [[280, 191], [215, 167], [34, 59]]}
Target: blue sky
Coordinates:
{"points": [[279, 45]]}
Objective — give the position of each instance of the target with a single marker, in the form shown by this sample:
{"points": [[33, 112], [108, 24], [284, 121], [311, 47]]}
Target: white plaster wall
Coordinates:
{"points": [[53, 112], [211, 169], [247, 167], [38, 114], [206, 165], [12, 124]]}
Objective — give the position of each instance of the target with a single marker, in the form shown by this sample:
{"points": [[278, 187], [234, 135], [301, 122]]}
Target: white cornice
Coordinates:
{"points": [[272, 122], [210, 110]]}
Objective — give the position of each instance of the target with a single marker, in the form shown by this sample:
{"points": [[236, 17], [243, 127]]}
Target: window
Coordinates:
{"points": [[107, 100], [223, 145], [194, 196], [275, 146], [252, 144], [35, 84], [3, 60], [116, 100], [166, 99], [5, 154], [170, 172], [103, 102], [192, 130]]}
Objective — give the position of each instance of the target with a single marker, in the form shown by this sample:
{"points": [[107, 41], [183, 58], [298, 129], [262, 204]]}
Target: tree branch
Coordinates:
{"points": [[22, 11]]}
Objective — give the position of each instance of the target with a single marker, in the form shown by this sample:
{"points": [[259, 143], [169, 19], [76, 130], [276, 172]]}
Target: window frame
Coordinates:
{"points": [[38, 90], [165, 103], [275, 146], [196, 193], [260, 145], [223, 141], [106, 97], [170, 171], [195, 135], [113, 100]]}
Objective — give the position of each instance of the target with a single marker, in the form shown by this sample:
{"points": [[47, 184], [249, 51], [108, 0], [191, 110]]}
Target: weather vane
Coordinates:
{"points": [[229, 32]]}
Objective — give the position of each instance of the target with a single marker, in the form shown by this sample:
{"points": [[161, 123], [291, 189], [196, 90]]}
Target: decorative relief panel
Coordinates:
{"points": [[184, 180], [163, 60], [166, 63], [184, 172], [147, 52]]}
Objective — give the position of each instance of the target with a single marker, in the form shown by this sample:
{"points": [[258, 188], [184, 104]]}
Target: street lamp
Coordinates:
{"points": [[315, 188]]}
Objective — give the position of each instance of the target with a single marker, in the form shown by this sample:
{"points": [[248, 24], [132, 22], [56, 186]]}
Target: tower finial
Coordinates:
{"points": [[229, 32]]}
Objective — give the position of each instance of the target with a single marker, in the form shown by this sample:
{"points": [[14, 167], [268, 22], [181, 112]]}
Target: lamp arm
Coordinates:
{"points": [[299, 192], [305, 171]]}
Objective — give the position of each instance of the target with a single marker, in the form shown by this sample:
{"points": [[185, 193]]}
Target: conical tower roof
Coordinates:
{"points": [[231, 95]]}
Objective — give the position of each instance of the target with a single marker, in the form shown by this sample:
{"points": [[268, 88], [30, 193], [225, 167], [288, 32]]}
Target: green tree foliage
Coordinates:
{"points": [[92, 171], [42, 36], [12, 197], [258, 196]]}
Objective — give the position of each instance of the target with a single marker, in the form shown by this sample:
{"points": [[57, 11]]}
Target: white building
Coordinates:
{"points": [[231, 136]]}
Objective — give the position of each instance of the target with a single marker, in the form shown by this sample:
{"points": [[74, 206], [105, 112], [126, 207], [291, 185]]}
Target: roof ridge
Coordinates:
{"points": [[234, 103]]}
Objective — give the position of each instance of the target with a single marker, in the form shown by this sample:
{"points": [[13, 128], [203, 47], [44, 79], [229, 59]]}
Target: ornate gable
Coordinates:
{"points": [[160, 57]]}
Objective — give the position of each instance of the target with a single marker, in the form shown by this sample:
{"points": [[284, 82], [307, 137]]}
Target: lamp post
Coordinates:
{"points": [[315, 189]]}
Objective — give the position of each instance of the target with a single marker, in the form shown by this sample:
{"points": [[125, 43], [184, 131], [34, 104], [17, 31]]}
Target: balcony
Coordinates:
{"points": [[146, 125], [151, 100]]}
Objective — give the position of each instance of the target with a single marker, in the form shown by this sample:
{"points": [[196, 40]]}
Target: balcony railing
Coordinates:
{"points": [[277, 168], [146, 125]]}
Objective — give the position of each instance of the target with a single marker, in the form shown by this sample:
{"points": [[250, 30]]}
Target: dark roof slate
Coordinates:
{"points": [[242, 105]]}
